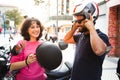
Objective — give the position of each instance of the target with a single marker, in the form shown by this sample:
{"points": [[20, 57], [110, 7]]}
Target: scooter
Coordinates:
{"points": [[62, 73]]}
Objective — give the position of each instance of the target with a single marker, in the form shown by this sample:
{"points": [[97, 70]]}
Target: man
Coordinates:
{"points": [[91, 44]]}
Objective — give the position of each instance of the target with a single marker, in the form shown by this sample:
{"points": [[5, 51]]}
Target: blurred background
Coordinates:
{"points": [[56, 17]]}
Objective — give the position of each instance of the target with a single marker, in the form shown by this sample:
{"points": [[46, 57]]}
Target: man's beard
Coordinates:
{"points": [[84, 29]]}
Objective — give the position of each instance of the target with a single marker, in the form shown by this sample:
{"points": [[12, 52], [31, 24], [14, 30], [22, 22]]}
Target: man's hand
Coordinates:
{"points": [[75, 25], [89, 23]]}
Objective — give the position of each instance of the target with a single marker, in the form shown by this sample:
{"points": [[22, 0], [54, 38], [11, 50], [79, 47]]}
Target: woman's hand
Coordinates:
{"points": [[19, 47], [31, 58], [23, 44]]}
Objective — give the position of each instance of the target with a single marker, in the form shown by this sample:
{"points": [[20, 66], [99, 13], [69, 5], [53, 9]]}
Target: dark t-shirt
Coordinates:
{"points": [[87, 65]]}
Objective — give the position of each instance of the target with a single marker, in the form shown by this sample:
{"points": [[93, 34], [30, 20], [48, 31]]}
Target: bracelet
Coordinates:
{"points": [[26, 62]]}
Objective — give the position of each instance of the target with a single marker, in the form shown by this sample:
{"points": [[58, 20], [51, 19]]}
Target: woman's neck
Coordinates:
{"points": [[33, 40]]}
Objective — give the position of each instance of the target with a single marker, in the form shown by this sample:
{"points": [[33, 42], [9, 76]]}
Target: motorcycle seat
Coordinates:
{"points": [[63, 71]]}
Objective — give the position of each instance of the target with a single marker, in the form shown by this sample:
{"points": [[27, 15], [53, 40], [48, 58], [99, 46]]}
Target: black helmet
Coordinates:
{"points": [[48, 55]]}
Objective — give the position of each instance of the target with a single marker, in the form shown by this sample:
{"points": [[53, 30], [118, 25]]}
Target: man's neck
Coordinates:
{"points": [[86, 33]]}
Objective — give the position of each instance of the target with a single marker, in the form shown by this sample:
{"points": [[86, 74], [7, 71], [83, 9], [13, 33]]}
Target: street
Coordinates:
{"points": [[109, 65]]}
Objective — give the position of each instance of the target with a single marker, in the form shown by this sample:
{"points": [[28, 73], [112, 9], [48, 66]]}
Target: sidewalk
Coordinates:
{"points": [[109, 69]]}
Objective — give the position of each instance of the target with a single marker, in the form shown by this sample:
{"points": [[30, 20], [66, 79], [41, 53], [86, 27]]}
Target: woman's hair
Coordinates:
{"points": [[25, 26]]}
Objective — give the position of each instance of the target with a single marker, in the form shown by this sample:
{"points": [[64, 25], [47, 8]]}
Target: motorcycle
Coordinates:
{"points": [[5, 58], [4, 61]]}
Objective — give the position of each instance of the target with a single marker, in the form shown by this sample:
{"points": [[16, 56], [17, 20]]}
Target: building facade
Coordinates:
{"points": [[60, 15], [113, 8]]}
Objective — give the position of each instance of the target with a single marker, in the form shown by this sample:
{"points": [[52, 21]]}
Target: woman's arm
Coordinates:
{"points": [[18, 65]]}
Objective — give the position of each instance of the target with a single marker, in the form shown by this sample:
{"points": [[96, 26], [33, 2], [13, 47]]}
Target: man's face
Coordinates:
{"points": [[80, 23]]}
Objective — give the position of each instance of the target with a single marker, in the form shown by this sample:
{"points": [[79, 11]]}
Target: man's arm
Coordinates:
{"points": [[69, 35], [97, 44]]}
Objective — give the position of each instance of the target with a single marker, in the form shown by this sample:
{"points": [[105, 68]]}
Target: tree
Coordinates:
{"points": [[37, 2], [15, 16]]}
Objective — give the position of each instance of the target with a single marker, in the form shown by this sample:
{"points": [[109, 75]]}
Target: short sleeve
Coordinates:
{"points": [[16, 58], [104, 37]]}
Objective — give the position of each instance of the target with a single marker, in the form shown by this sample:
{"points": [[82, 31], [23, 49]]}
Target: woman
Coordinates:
{"points": [[25, 58]]}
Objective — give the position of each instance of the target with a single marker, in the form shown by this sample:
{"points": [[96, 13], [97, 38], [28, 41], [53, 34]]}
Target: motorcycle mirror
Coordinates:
{"points": [[1, 47], [48, 55], [62, 45]]}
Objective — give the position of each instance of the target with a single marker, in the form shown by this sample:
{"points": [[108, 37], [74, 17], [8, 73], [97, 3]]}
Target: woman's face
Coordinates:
{"points": [[34, 30]]}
